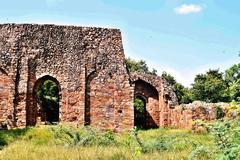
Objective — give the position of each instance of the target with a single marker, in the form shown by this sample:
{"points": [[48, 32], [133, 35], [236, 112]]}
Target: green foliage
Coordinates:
{"points": [[39, 136], [165, 142], [66, 142], [219, 113], [200, 153], [139, 66], [184, 95], [169, 78], [233, 110], [139, 105], [139, 112], [232, 74], [47, 93], [9, 136], [210, 87], [226, 137], [234, 90], [86, 136]]}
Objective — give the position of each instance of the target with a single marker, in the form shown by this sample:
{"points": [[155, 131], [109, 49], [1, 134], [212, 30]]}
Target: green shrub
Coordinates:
{"points": [[200, 153], [219, 113], [139, 105], [85, 136], [226, 137], [8, 136], [39, 135]]}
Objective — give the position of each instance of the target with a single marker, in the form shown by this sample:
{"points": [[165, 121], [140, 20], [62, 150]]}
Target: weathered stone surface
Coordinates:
{"points": [[87, 64], [158, 95], [185, 115]]}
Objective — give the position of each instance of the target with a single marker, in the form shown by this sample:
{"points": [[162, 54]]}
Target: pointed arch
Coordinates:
{"points": [[149, 95], [46, 112]]}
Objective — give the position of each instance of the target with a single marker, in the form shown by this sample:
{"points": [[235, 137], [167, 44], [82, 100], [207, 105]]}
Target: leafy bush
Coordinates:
{"points": [[200, 153], [139, 105], [219, 113], [65, 142], [164, 142], [233, 110], [226, 137], [39, 135], [85, 136], [9, 136]]}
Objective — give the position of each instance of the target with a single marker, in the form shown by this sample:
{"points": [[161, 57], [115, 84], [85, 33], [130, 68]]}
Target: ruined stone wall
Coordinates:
{"points": [[187, 115], [87, 64], [159, 108], [6, 98], [70, 55], [151, 98]]}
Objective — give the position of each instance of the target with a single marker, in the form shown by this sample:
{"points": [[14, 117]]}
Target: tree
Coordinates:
{"points": [[139, 66], [139, 112], [210, 87], [232, 75], [47, 93], [232, 78], [139, 105], [169, 78], [234, 91], [183, 94]]}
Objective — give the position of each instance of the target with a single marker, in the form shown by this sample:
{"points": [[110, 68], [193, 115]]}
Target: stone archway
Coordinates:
{"points": [[150, 97], [6, 99], [140, 111], [46, 95]]}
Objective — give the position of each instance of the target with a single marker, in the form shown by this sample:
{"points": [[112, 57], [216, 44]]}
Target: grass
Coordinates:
{"points": [[64, 142]]}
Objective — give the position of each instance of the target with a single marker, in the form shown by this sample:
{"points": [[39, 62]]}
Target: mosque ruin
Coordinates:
{"points": [[88, 66]]}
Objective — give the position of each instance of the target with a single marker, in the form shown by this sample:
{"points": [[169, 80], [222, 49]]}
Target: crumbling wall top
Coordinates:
{"points": [[159, 83]]}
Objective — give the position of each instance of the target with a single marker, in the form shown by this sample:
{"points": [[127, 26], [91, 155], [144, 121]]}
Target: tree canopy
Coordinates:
{"points": [[139, 66], [212, 86], [47, 93], [183, 94], [232, 77]]}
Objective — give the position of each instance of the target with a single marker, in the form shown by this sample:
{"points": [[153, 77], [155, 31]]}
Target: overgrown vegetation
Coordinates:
{"points": [[48, 96], [47, 93], [139, 66], [139, 113], [65, 142], [226, 138], [183, 94]]}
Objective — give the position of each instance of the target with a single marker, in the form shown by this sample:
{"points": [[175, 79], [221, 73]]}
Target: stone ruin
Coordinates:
{"points": [[88, 66], [95, 87]]}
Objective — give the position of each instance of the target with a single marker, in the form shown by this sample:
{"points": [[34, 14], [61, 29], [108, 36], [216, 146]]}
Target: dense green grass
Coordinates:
{"points": [[63, 142]]}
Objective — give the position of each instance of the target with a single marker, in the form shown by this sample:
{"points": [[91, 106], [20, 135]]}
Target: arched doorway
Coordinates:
{"points": [[146, 105], [47, 95], [139, 112]]}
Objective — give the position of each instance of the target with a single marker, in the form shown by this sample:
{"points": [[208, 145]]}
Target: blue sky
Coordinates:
{"points": [[182, 37]]}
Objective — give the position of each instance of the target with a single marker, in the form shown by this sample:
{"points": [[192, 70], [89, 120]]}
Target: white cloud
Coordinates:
{"points": [[188, 8]]}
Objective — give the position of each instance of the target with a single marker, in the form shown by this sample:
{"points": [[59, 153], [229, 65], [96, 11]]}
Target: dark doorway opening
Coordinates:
{"points": [[140, 112], [146, 105], [46, 92]]}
